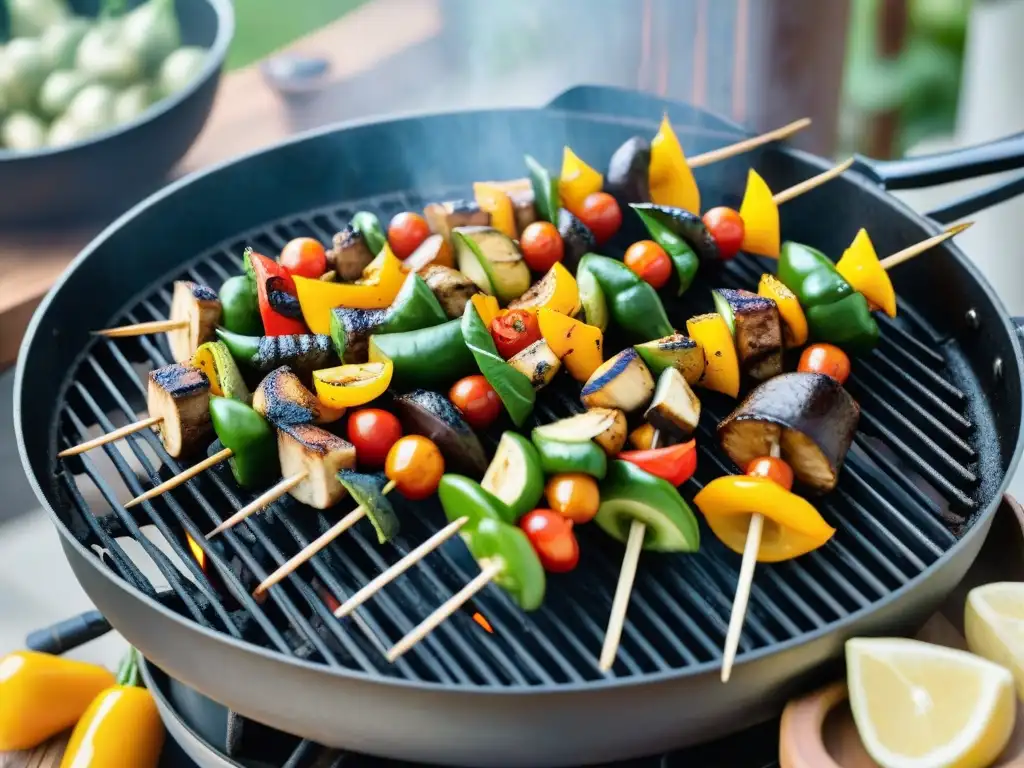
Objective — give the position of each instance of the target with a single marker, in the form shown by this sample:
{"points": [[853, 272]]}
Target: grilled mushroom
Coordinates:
{"points": [[198, 306], [757, 329], [350, 254], [180, 395], [444, 217], [283, 400], [305, 449], [452, 288], [810, 415]]}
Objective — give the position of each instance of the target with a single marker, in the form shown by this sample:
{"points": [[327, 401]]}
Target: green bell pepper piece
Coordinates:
{"points": [[632, 303], [592, 299], [251, 439], [365, 491], [513, 386], [847, 323], [521, 574], [369, 226], [545, 191], [414, 307], [429, 357], [559, 456], [243, 348], [240, 310], [811, 275], [684, 258], [464, 497]]}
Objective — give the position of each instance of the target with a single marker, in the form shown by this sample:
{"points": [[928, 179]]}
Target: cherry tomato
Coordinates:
{"points": [[415, 465], [573, 496], [405, 233], [305, 257], [726, 227], [514, 331], [773, 468], [827, 359], [650, 262], [373, 432], [477, 400], [541, 245], [552, 537], [601, 214]]}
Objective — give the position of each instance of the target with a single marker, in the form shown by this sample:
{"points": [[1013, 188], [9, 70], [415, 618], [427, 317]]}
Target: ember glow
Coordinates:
{"points": [[196, 551], [480, 619]]}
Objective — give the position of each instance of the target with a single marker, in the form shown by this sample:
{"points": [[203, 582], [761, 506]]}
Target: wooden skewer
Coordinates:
{"points": [[117, 434], [266, 498], [316, 545], [489, 569], [141, 329], [222, 455], [724, 153], [815, 181], [918, 248], [400, 567]]}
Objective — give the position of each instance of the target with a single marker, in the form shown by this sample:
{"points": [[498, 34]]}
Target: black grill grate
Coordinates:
{"points": [[907, 491]]}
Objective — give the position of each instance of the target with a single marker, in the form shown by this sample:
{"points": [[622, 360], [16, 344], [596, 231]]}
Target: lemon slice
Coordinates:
{"points": [[994, 625], [918, 705]]}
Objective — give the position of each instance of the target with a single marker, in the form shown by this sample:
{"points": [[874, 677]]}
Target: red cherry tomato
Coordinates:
{"points": [[601, 214], [373, 432], [477, 400], [726, 227], [541, 245], [827, 359], [773, 468], [405, 233], [552, 537], [514, 331], [650, 262], [305, 257], [415, 465]]}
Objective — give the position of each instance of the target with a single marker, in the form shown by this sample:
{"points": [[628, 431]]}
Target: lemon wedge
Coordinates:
{"points": [[918, 705], [994, 626]]}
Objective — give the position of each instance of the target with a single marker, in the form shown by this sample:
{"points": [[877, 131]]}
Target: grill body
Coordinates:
{"points": [[941, 400]]}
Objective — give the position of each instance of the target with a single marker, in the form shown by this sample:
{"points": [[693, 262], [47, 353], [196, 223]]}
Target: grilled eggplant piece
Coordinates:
{"points": [[605, 426], [427, 413], [537, 362], [622, 382], [350, 254], [180, 395], [810, 415], [628, 172], [675, 409], [675, 351], [444, 217], [688, 226], [303, 353], [351, 330], [315, 452], [452, 288], [577, 238], [198, 306], [283, 401], [756, 328]]}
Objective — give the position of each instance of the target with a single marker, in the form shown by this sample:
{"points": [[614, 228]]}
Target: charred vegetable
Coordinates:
{"points": [[302, 353], [198, 306], [605, 426], [444, 217], [317, 455], [576, 238], [675, 409], [537, 362], [427, 413], [675, 351], [627, 177], [283, 400], [756, 328], [350, 254], [452, 288], [622, 382], [351, 330], [180, 396], [683, 224]]}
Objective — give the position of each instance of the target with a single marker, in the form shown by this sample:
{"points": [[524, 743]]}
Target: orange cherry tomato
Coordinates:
{"points": [[476, 400], [573, 496], [514, 331], [601, 214], [773, 469], [405, 233], [415, 465], [305, 257], [552, 538], [827, 359], [650, 262], [726, 227], [373, 432], [541, 245]]}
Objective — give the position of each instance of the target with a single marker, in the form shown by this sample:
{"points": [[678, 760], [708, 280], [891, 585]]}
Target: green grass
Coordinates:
{"points": [[264, 26]]}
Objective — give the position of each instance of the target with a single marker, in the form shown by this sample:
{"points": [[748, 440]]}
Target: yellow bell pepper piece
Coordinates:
{"points": [[722, 373], [793, 319], [557, 291], [122, 727], [576, 181], [576, 344], [642, 437], [862, 269], [492, 199], [760, 216], [793, 526], [487, 307], [669, 176], [42, 695], [346, 386]]}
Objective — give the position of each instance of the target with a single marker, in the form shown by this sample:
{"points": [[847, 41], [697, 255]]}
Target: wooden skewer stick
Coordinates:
{"points": [[117, 434], [489, 569], [724, 153], [400, 567], [815, 181], [743, 584], [918, 248], [141, 329], [222, 455], [316, 545], [266, 498]]}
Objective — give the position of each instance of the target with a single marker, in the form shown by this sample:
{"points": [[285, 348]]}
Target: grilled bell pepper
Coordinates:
{"points": [[684, 258], [214, 359], [669, 176], [760, 214], [240, 306], [632, 303], [577, 181], [42, 695], [464, 497], [578, 345], [847, 323], [862, 269], [251, 439], [722, 372], [347, 386], [513, 387], [368, 225], [794, 321], [557, 290], [270, 277], [415, 307], [492, 199], [793, 526], [429, 357], [122, 727], [545, 191], [674, 463], [487, 307]]}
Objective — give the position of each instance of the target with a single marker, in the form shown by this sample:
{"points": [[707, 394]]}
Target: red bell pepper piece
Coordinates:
{"points": [[274, 323], [675, 463]]}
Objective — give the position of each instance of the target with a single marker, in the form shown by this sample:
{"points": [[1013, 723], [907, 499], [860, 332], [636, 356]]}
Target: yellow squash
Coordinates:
{"points": [[669, 176], [492, 199], [760, 216], [576, 344], [793, 319], [576, 181], [862, 269], [722, 373]]}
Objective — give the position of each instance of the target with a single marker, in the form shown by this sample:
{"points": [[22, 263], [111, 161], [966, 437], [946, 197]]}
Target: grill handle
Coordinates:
{"points": [[68, 634]]}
